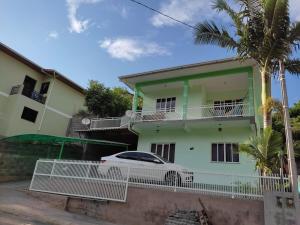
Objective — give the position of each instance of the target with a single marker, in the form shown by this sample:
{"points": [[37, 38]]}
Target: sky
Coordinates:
{"points": [[104, 39]]}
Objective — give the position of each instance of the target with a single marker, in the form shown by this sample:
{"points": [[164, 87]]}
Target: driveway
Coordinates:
{"points": [[17, 207]]}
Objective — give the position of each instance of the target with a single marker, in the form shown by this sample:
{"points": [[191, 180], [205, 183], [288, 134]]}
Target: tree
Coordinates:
{"points": [[277, 124], [266, 150], [106, 102], [262, 31]]}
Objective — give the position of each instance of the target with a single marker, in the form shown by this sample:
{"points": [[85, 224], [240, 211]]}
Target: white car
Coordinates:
{"points": [[144, 166]]}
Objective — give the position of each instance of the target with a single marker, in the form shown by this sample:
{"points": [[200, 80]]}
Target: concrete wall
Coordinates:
{"points": [[152, 207]]}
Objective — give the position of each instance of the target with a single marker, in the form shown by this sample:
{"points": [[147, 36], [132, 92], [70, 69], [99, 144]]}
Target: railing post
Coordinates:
{"points": [[232, 187], [53, 166]]}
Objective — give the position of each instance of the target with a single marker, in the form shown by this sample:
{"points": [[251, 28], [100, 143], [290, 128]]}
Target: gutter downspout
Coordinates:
{"points": [[47, 100]]}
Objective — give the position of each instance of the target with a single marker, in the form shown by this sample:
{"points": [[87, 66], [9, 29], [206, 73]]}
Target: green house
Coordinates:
{"points": [[34, 100], [196, 115]]}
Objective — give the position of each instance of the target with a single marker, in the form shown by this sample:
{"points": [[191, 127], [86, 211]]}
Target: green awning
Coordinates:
{"points": [[48, 139], [41, 138]]}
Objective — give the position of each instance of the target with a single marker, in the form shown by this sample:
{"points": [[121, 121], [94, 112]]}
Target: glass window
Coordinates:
{"points": [[166, 151], [29, 114], [214, 153], [224, 152], [128, 155], [166, 104], [221, 152]]}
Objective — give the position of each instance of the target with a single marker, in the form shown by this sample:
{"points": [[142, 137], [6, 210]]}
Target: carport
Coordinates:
{"points": [[57, 140]]}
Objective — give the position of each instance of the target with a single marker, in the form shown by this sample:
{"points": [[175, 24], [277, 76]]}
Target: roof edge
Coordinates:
{"points": [[205, 63], [21, 58]]}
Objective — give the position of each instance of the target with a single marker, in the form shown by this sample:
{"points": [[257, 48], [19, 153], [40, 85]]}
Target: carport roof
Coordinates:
{"points": [[41, 138]]}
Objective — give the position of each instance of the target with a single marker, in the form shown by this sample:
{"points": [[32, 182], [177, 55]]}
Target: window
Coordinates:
{"points": [[29, 85], [44, 88], [166, 104], [128, 155], [224, 152], [224, 107], [166, 151], [146, 157], [29, 114]]}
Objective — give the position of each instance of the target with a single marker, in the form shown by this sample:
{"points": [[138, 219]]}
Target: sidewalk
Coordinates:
{"points": [[19, 208]]}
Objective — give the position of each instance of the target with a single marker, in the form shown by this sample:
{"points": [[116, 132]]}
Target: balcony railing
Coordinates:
{"points": [[202, 112], [17, 89], [110, 122]]}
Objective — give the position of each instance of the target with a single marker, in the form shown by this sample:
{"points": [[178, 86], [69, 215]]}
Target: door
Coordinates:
{"points": [[29, 85]]}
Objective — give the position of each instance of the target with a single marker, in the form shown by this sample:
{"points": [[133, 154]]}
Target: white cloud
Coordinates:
{"points": [[131, 49], [77, 25], [187, 11], [53, 35], [294, 9]]}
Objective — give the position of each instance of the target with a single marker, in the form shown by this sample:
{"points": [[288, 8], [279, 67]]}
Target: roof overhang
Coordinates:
{"points": [[186, 71]]}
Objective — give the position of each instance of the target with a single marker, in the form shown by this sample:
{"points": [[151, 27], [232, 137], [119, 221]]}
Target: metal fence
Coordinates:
{"points": [[99, 181], [81, 179]]}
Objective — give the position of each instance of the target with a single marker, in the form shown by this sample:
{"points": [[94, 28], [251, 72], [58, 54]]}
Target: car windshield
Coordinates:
{"points": [[161, 158]]}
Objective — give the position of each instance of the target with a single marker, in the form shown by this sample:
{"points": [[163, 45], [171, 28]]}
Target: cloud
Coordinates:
{"points": [[53, 35], [77, 25], [187, 11], [131, 49], [294, 9]]}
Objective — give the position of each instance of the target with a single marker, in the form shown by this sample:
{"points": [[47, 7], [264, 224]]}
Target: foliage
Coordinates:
{"points": [[262, 31], [266, 150], [107, 102], [278, 125]]}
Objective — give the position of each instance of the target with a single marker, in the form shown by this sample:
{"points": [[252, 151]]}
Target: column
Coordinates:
{"points": [[135, 99], [251, 93], [185, 98]]}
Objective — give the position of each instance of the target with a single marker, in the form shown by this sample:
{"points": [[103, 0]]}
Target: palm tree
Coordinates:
{"points": [[261, 30], [266, 150]]}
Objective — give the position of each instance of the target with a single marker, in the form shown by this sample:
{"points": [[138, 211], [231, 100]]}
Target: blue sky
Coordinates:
{"points": [[103, 39]]}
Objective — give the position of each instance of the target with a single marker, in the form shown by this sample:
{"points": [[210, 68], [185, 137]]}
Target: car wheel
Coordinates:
{"points": [[172, 178], [114, 173]]}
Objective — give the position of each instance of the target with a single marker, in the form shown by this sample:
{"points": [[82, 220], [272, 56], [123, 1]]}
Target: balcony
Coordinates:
{"points": [[36, 96], [109, 123], [196, 113]]}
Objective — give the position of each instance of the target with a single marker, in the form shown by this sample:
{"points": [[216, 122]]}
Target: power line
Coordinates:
{"points": [[165, 15]]}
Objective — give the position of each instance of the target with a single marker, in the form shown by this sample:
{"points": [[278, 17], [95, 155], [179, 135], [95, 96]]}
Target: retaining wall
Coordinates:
{"points": [[152, 207]]}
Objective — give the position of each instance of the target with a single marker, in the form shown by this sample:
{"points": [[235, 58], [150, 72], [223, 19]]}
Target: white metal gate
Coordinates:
{"points": [[84, 179]]}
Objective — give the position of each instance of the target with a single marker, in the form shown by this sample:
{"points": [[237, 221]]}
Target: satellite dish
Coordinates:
{"points": [[85, 121]]}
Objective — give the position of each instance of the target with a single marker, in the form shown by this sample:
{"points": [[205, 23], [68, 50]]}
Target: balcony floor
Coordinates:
{"points": [[196, 123]]}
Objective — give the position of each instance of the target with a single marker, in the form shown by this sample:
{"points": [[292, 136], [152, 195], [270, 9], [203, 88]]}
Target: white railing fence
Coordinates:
{"points": [[81, 179], [217, 111], [201, 112], [99, 181], [109, 122]]}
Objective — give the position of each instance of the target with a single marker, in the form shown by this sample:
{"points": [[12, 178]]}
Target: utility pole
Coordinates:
{"points": [[289, 138]]}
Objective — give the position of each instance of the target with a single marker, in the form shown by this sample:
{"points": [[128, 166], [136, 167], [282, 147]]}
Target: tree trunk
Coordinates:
{"points": [[265, 95], [288, 133]]}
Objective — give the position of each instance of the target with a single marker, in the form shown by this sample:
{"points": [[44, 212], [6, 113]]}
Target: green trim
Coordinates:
{"points": [[135, 99], [247, 69], [185, 98], [42, 138]]}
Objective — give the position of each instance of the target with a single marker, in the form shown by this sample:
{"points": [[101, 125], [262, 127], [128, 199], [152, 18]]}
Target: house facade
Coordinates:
{"points": [[196, 115], [34, 99]]}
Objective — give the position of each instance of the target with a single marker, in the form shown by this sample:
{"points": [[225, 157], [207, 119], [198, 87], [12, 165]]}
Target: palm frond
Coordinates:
{"points": [[209, 33], [222, 5], [294, 35], [293, 66]]}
